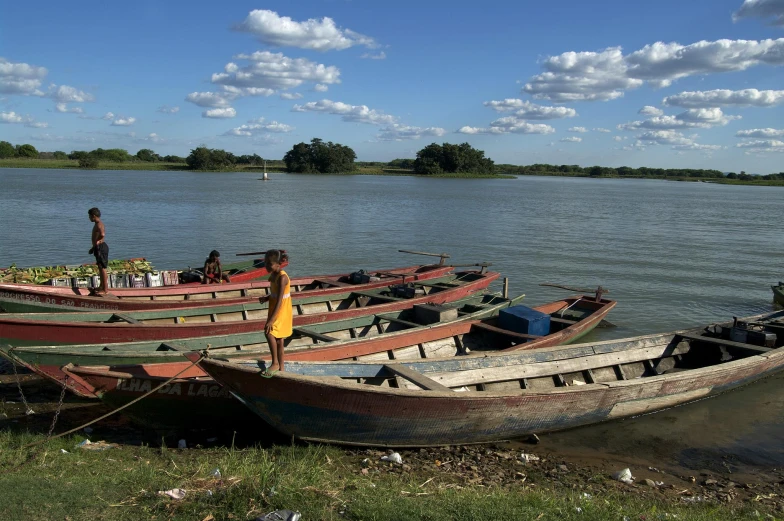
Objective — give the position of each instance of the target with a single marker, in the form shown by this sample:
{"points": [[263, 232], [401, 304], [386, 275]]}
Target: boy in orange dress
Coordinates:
{"points": [[279, 314]]}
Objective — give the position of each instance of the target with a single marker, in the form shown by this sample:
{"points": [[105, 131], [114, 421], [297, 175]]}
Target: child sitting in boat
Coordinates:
{"points": [[279, 314], [213, 272]]}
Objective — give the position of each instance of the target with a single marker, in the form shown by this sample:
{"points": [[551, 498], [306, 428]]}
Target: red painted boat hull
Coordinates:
{"points": [[32, 332]]}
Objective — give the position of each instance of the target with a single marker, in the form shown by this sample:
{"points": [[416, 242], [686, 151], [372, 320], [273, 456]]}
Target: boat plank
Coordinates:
{"points": [[726, 343], [418, 378]]}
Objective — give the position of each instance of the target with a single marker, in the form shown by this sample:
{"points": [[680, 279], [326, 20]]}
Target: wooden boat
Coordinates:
{"points": [[397, 338], [485, 398], [26, 298], [165, 356], [778, 293], [93, 328]]}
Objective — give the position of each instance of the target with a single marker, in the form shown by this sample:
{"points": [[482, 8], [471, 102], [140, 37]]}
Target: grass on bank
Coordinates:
{"points": [[319, 481]]}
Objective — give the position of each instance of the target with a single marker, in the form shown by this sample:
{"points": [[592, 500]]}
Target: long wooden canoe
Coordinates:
{"points": [[398, 338], [778, 293], [95, 328], [165, 356], [194, 398], [26, 298], [485, 398]]}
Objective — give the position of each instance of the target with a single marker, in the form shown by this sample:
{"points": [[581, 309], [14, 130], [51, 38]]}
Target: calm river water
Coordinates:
{"points": [[672, 254]]}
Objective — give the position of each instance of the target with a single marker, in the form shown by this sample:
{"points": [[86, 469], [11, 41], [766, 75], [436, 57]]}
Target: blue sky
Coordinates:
{"points": [[696, 84]]}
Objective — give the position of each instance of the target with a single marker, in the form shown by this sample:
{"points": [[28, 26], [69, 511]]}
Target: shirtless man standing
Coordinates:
{"points": [[100, 249]]}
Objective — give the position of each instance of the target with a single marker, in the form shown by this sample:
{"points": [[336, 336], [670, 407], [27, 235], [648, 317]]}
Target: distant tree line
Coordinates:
{"points": [[203, 158], [320, 157], [449, 158], [327, 157]]}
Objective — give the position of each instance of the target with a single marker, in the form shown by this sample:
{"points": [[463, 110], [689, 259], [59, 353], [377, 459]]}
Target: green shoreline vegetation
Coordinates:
{"points": [[327, 158], [126, 482]]}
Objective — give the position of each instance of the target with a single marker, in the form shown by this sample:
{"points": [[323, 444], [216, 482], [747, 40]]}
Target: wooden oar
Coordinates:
{"points": [[443, 256], [578, 290], [252, 253]]}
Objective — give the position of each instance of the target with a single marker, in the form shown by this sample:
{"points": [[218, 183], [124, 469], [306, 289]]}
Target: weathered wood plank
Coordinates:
{"points": [[566, 321], [379, 297], [726, 343], [418, 378], [399, 321], [124, 318], [506, 332], [312, 334]]}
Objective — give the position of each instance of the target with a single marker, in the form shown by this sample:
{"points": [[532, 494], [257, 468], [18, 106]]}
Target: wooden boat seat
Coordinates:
{"points": [[437, 284], [380, 297], [506, 332], [419, 379], [559, 320], [119, 317], [399, 321], [312, 334], [725, 343]]}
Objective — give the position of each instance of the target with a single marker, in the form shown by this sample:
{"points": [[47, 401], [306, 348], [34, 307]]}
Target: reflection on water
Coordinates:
{"points": [[740, 431], [673, 254]]}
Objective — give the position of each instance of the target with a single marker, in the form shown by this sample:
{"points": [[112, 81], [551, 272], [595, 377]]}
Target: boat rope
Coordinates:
{"points": [[110, 413], [28, 410]]}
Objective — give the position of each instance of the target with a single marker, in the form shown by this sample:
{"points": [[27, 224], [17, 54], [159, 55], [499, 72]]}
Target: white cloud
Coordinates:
{"points": [[209, 99], [571, 139], [618, 138], [762, 146], [108, 116], [268, 72], [67, 94], [605, 75], [21, 78], [258, 126], [582, 76], [578, 129], [725, 97], [370, 56], [353, 113], [477, 130], [692, 118], [14, 118], [150, 138], [403, 132], [760, 133], [761, 9], [648, 110], [165, 109], [697, 146], [319, 87], [762, 143], [509, 125], [318, 35], [527, 110], [290, 95], [62, 107], [123, 122], [218, 113], [602, 130], [11, 117], [664, 137]]}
